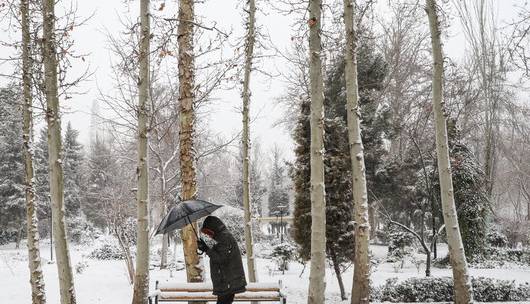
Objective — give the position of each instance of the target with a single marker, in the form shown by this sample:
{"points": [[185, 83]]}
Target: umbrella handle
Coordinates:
{"points": [[192, 227]]}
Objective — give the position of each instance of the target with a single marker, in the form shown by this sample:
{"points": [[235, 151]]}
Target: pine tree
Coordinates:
{"points": [[42, 184], [73, 172], [100, 181], [338, 182], [12, 188]]}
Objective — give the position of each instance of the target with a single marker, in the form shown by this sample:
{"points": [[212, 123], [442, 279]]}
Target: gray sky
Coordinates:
{"points": [[223, 117]]}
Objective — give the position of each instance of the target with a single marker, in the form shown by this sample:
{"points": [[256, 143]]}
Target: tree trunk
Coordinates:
{"points": [[336, 267], [317, 275], [36, 279], [124, 245], [164, 207], [188, 177], [163, 251], [249, 54], [66, 280], [361, 274], [141, 276], [462, 282]]}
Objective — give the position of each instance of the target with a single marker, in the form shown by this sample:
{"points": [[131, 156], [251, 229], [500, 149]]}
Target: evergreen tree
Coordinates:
{"points": [[100, 181], [339, 203], [471, 198], [42, 184], [12, 187], [73, 172]]}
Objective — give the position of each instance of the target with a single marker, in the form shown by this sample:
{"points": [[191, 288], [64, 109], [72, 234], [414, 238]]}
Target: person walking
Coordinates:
{"points": [[226, 265]]}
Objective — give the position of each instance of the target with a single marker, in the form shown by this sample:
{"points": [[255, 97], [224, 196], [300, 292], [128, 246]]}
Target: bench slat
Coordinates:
{"points": [[207, 296], [201, 287], [195, 290]]}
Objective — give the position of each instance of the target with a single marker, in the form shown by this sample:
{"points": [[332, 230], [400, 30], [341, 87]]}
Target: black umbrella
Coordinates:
{"points": [[185, 213]]}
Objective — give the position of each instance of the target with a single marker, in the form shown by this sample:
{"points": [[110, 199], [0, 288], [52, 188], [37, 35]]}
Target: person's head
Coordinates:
{"points": [[212, 226]]}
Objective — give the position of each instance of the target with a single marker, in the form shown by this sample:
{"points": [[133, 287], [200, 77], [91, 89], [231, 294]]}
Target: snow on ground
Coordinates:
{"points": [[107, 282]]}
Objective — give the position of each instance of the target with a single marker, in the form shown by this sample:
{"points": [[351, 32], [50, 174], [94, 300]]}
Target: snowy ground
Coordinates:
{"points": [[106, 281]]}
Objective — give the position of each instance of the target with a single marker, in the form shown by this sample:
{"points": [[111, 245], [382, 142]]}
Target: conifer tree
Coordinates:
{"points": [[73, 171], [12, 194], [42, 184], [338, 183]]}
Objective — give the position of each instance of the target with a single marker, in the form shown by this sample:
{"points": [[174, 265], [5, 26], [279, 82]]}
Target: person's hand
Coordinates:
{"points": [[201, 245]]}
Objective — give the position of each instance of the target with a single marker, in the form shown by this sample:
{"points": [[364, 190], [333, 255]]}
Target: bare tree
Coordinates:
{"points": [[462, 282], [38, 295], [249, 55], [141, 278], [317, 284], [53, 118], [488, 61], [187, 113], [361, 274]]}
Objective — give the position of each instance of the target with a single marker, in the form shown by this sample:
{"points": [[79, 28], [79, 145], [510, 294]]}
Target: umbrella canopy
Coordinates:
{"points": [[184, 213]]}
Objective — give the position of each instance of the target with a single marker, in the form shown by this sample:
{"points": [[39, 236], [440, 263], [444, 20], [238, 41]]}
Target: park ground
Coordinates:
{"points": [[106, 281]]}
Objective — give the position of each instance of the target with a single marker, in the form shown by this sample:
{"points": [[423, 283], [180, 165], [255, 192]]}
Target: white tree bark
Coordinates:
{"points": [[38, 295], [188, 176], [66, 280], [317, 284], [361, 274], [462, 283], [141, 277], [249, 54]]}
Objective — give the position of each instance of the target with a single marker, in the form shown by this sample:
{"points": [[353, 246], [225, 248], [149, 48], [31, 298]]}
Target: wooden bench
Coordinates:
{"points": [[202, 292]]}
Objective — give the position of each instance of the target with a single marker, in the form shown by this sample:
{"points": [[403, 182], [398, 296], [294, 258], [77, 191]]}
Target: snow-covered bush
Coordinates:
{"points": [[80, 267], [440, 289], [107, 251], [494, 290], [7, 236], [399, 245], [80, 231], [503, 255], [282, 254], [496, 238], [425, 289]]}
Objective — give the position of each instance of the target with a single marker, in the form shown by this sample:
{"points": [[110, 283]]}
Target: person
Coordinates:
{"points": [[226, 265]]}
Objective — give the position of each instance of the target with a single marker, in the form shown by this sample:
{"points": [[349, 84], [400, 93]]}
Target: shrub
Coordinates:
{"points": [[399, 244], [107, 251], [495, 238], [503, 255], [80, 231], [80, 267], [440, 289], [282, 254]]}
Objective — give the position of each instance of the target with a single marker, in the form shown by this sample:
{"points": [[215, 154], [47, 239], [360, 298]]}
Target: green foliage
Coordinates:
{"points": [[337, 162], [12, 185], [472, 203], [282, 254], [399, 244], [73, 171], [440, 289], [100, 182]]}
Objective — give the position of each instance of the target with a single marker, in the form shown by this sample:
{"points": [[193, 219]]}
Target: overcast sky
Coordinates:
{"points": [[223, 118]]}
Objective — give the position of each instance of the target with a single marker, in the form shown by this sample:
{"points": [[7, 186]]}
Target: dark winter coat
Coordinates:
{"points": [[226, 265]]}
